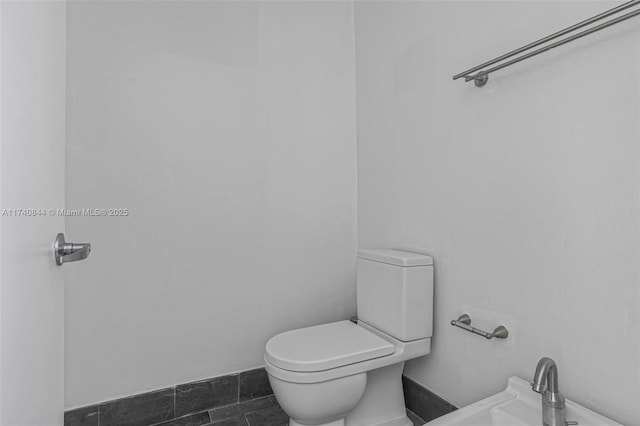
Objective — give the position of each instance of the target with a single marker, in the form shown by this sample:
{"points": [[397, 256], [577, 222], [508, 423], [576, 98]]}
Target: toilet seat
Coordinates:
{"points": [[324, 347], [402, 351]]}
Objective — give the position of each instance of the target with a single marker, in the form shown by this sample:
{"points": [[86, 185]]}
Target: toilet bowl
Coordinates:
{"points": [[350, 374]]}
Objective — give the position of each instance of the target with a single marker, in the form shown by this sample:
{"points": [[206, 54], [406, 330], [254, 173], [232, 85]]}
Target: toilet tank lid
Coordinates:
{"points": [[396, 257]]}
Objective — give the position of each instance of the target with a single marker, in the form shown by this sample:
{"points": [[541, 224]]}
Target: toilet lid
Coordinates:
{"points": [[325, 346]]}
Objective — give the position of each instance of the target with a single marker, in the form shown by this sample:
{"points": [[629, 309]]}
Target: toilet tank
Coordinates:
{"points": [[395, 293]]}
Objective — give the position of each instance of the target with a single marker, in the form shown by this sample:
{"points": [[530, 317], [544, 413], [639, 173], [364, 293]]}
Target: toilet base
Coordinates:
{"points": [[381, 404], [383, 401], [401, 421], [334, 423]]}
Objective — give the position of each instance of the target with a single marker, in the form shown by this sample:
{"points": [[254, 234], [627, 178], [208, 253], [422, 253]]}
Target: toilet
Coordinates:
{"points": [[350, 374]]}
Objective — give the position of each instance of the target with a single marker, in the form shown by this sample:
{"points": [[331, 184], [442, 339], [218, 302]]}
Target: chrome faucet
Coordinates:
{"points": [[545, 382]]}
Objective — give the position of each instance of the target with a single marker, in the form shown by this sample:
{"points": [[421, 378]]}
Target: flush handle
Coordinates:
{"points": [[65, 252]]}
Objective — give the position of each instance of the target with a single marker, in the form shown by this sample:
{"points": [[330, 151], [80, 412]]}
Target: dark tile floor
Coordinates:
{"points": [[257, 412], [263, 411]]}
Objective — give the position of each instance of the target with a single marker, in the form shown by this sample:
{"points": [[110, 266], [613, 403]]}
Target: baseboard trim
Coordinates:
{"points": [[424, 403], [177, 402], [190, 399]]}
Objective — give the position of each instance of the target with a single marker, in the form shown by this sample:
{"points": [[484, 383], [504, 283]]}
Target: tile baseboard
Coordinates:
{"points": [[424, 403], [188, 403], [174, 403]]}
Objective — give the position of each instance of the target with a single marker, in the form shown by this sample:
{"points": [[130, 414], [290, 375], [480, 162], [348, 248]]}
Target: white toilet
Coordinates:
{"points": [[350, 374]]}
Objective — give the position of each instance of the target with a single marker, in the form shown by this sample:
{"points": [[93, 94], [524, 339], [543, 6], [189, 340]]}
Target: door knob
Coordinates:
{"points": [[69, 252]]}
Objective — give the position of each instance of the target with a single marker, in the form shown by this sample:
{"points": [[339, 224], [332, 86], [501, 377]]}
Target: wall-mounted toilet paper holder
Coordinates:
{"points": [[464, 322]]}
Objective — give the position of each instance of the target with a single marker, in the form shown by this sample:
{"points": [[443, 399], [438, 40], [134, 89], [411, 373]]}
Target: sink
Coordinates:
{"points": [[517, 405]]}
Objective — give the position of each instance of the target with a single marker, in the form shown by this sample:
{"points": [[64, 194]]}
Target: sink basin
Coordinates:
{"points": [[517, 405]]}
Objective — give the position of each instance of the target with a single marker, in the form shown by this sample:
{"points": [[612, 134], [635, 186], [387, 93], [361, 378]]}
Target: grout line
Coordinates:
{"points": [[259, 409], [175, 390]]}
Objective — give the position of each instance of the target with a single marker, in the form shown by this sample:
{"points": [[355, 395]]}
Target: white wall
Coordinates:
{"points": [[227, 129], [525, 192]]}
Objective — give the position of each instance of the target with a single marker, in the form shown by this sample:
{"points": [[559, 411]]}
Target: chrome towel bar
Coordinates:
{"points": [[481, 75], [464, 322]]}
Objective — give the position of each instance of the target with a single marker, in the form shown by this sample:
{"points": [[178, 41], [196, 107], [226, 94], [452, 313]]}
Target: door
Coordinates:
{"points": [[32, 152]]}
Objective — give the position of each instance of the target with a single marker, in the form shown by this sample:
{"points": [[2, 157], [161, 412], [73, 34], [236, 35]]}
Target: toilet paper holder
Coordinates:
{"points": [[464, 322]]}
